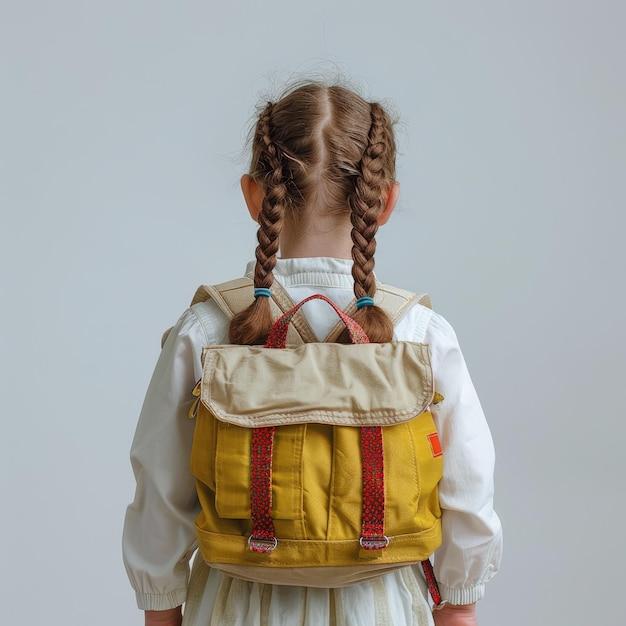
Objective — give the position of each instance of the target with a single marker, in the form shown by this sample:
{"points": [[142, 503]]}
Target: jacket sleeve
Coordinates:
{"points": [[472, 537], [159, 536]]}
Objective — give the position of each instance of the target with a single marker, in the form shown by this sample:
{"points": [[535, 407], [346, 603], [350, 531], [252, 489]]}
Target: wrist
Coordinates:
{"points": [[455, 615], [169, 617]]}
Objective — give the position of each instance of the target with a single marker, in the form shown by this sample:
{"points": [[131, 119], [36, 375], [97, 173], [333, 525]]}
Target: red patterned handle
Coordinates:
{"points": [[277, 337]]}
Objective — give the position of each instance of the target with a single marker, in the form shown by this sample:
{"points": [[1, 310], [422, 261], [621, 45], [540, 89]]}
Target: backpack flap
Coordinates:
{"points": [[350, 385]]}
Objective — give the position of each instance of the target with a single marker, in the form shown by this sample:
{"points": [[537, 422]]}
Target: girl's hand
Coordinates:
{"points": [[455, 615], [171, 617]]}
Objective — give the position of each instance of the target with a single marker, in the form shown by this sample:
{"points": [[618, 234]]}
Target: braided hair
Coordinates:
{"points": [[366, 204], [252, 325], [325, 148]]}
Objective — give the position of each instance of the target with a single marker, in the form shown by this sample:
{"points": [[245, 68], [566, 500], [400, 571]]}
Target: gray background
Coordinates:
{"points": [[121, 130]]}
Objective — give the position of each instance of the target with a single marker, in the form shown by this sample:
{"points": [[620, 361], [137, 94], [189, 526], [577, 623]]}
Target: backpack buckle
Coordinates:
{"points": [[262, 544], [374, 543]]}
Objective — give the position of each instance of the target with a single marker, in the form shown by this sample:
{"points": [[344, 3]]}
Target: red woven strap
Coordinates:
{"points": [[431, 581], [373, 508], [277, 337], [263, 537]]}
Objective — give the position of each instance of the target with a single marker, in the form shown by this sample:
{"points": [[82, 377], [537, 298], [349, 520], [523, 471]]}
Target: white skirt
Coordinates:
{"points": [[395, 599]]}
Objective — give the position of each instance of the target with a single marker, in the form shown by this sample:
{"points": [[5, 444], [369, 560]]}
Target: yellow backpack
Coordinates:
{"points": [[316, 464]]}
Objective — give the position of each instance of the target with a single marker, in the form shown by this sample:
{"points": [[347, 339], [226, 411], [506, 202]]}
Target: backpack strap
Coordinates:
{"points": [[394, 301], [236, 295], [298, 321]]}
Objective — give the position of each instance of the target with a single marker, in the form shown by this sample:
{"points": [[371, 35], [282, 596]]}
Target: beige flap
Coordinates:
{"points": [[375, 384]]}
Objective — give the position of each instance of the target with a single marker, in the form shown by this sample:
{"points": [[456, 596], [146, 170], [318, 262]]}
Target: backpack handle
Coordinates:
{"points": [[277, 337]]}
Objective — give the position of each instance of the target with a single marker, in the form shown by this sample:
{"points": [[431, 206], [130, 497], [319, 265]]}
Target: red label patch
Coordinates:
{"points": [[435, 444]]}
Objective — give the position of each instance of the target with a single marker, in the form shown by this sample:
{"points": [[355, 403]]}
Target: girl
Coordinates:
{"points": [[322, 181]]}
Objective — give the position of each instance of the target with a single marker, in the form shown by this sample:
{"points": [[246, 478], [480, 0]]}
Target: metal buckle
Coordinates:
{"points": [[262, 544], [374, 543]]}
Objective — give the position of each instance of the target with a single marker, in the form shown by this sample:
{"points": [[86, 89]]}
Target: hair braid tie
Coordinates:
{"points": [[364, 301]]}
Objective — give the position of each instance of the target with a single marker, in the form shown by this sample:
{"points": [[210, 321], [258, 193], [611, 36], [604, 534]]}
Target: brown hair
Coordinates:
{"points": [[324, 147]]}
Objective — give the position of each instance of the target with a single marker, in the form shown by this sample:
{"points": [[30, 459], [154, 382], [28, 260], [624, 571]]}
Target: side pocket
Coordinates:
{"points": [[402, 480], [413, 469], [202, 463], [430, 462]]}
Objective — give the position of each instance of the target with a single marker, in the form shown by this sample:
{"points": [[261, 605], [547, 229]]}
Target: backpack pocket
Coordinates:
{"points": [[413, 469], [232, 472]]}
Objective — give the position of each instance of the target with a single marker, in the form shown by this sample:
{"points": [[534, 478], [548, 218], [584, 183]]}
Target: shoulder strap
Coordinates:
{"points": [[392, 300], [235, 295]]}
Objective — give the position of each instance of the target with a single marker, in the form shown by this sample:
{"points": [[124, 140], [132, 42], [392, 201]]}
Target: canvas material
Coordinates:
{"points": [[323, 577], [388, 382], [316, 489], [316, 478]]}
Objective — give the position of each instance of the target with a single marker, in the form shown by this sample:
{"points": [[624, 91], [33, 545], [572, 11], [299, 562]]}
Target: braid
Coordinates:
{"points": [[252, 325], [271, 215], [319, 150], [366, 204]]}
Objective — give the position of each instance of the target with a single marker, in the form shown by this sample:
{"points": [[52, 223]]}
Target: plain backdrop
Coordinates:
{"points": [[122, 130]]}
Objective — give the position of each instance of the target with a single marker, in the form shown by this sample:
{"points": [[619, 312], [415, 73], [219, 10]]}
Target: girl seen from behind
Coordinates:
{"points": [[321, 182]]}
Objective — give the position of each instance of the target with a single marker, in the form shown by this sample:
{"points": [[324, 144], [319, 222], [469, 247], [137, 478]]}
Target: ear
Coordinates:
{"points": [[253, 195], [390, 203]]}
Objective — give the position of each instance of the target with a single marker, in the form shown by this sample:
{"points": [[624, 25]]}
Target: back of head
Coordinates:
{"points": [[320, 150]]}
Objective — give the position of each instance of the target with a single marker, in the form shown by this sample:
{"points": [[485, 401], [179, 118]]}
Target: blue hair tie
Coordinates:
{"points": [[262, 291], [364, 301]]}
